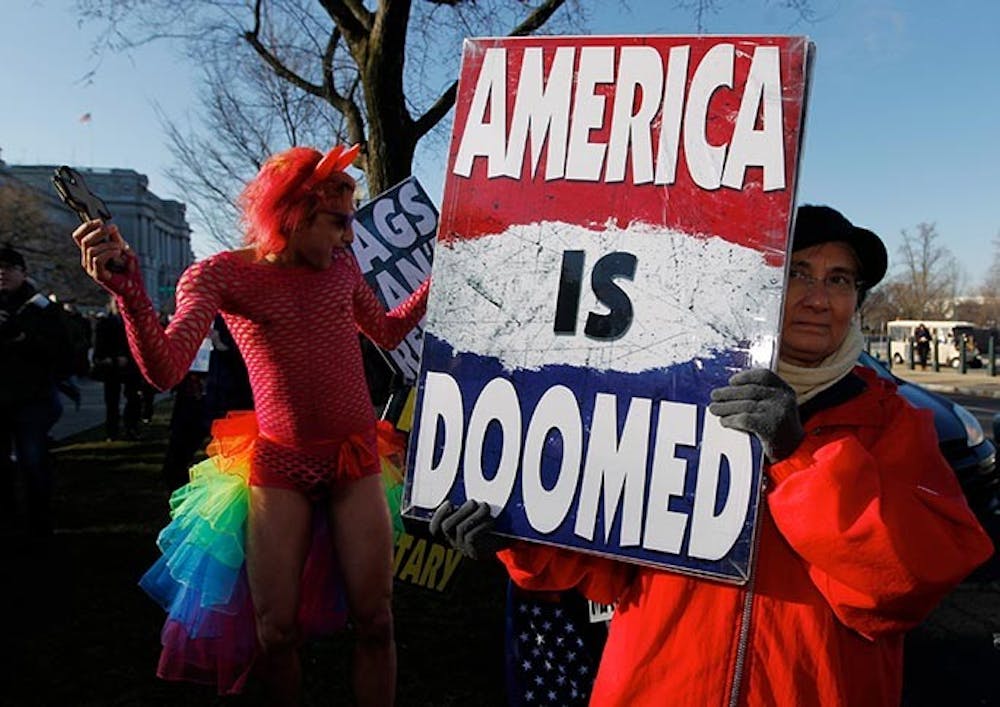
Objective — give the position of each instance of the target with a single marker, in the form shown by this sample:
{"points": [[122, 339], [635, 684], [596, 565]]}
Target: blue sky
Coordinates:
{"points": [[902, 124]]}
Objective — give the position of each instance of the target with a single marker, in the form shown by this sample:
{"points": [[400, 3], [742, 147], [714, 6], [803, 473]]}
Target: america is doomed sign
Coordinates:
{"points": [[612, 247], [394, 246]]}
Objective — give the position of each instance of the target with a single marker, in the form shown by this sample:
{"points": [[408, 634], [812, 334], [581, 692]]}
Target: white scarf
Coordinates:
{"points": [[808, 381]]}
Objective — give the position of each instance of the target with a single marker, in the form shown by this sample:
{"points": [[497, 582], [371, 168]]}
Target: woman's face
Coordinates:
{"points": [[820, 302], [315, 243]]}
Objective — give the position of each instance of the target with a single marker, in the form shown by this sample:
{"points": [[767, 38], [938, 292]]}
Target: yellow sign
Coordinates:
{"points": [[424, 562]]}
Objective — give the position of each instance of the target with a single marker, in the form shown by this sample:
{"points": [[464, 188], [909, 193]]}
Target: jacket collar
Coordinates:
{"points": [[844, 402], [15, 298]]}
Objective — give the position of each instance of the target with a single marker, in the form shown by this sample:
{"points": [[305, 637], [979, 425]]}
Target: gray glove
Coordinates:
{"points": [[759, 402], [468, 528]]}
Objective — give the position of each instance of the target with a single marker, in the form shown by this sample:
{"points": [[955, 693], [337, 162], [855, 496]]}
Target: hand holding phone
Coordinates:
{"points": [[73, 190], [103, 254]]}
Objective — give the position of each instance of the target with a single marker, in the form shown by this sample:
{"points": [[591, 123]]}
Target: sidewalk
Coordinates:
{"points": [[90, 414], [975, 381]]}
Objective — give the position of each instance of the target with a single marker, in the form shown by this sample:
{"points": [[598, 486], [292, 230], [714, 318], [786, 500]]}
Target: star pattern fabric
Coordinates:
{"points": [[552, 649]]}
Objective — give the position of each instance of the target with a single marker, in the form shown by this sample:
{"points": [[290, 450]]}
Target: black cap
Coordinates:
{"points": [[821, 224], [9, 256]]}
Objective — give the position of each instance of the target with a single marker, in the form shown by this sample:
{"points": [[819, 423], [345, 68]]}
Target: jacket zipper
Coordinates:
{"points": [[741, 647], [747, 612]]}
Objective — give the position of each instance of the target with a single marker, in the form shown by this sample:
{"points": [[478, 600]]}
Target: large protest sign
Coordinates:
{"points": [[394, 245], [612, 247]]}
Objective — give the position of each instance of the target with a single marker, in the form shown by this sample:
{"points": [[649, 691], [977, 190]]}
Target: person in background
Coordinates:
{"points": [[147, 399], [227, 387], [862, 528], [189, 428], [294, 300], [922, 336], [81, 335], [203, 396], [116, 369], [34, 354]]}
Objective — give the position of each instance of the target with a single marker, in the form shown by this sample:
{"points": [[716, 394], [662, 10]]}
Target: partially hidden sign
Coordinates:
{"points": [[612, 247], [394, 246]]}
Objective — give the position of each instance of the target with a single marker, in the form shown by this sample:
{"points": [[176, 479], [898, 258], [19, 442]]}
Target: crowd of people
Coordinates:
{"points": [[35, 354], [48, 350]]}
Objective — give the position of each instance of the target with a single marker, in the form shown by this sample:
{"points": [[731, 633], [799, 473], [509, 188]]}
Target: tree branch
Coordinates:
{"points": [[332, 95], [539, 16], [436, 112], [346, 104], [354, 21], [253, 39]]}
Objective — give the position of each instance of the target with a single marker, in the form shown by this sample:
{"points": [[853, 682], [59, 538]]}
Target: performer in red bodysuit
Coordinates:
{"points": [[294, 300]]}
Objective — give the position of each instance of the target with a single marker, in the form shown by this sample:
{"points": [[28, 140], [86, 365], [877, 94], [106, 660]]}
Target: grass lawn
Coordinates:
{"points": [[81, 632]]}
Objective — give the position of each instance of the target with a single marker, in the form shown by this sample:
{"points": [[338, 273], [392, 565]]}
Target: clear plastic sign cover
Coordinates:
{"points": [[612, 246]]}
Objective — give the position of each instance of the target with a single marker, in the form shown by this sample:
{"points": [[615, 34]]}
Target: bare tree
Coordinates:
{"points": [[285, 72], [992, 282], [247, 113], [930, 276], [22, 218], [878, 308], [990, 289], [330, 59]]}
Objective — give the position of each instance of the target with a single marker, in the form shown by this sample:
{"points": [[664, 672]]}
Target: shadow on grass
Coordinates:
{"points": [[81, 632]]}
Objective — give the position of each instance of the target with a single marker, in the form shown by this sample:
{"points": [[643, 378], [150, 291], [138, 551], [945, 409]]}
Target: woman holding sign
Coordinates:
{"points": [[864, 528], [303, 472]]}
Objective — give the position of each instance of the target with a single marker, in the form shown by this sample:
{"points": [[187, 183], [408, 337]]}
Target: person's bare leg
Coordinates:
{"points": [[278, 536], [362, 536]]}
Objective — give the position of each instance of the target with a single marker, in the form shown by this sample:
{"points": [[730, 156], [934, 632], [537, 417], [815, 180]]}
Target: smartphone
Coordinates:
{"points": [[75, 193], [73, 190]]}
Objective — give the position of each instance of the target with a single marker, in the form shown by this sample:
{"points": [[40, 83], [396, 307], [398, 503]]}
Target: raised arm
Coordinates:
{"points": [[163, 356], [387, 329]]}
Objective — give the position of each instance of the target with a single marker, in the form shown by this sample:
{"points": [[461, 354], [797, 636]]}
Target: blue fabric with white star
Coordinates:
{"points": [[552, 649]]}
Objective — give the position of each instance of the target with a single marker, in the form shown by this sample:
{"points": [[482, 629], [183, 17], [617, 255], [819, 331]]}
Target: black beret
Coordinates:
{"points": [[821, 224]]}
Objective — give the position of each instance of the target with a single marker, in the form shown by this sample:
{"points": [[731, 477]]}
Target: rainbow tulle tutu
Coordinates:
{"points": [[201, 582]]}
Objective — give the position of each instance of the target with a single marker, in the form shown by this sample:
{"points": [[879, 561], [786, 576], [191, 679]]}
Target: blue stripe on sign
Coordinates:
{"points": [[690, 382]]}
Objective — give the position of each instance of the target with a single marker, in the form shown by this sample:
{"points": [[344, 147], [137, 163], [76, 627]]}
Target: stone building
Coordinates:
{"points": [[156, 228]]}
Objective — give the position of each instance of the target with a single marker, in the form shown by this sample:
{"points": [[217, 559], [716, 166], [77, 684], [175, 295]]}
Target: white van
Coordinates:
{"points": [[948, 334]]}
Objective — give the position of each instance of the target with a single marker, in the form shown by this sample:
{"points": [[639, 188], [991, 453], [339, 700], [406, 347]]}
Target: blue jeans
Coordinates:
{"points": [[25, 429]]}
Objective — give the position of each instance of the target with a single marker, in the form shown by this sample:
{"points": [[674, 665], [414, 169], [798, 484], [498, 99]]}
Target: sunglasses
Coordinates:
{"points": [[339, 219]]}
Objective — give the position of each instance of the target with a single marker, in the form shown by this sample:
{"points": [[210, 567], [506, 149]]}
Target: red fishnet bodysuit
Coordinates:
{"points": [[297, 330]]}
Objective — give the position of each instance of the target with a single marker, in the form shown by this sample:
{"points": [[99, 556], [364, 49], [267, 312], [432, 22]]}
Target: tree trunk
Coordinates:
{"points": [[392, 139], [390, 152]]}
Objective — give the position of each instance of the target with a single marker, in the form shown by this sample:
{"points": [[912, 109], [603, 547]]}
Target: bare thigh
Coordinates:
{"points": [[278, 537], [362, 536]]}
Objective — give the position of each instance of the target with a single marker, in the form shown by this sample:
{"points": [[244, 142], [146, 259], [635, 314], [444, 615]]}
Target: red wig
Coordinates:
{"points": [[290, 189]]}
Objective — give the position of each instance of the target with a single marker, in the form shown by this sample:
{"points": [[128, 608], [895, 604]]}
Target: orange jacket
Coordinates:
{"points": [[864, 530]]}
